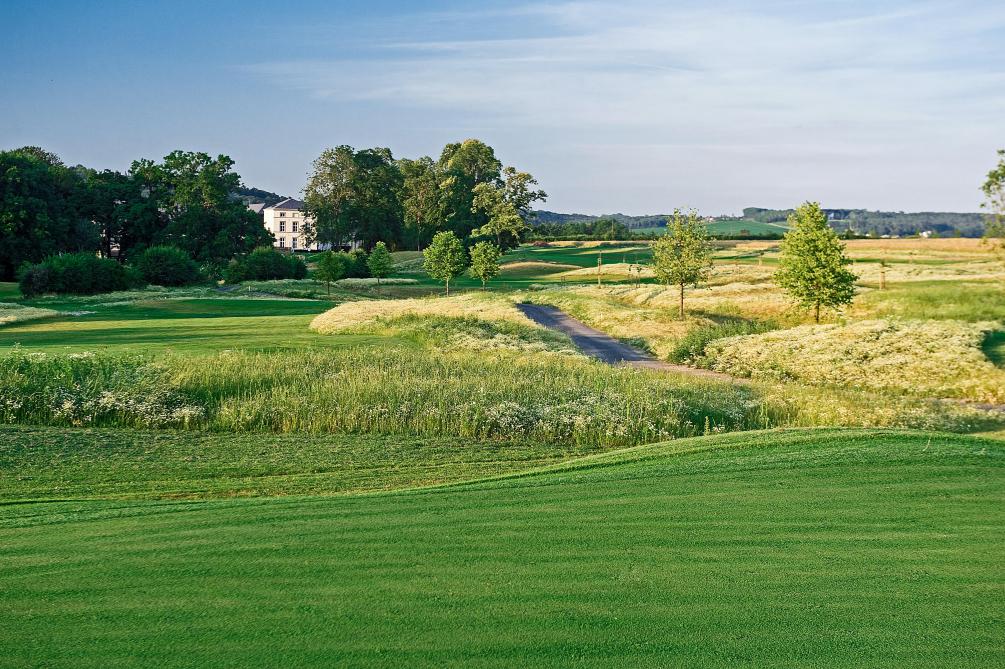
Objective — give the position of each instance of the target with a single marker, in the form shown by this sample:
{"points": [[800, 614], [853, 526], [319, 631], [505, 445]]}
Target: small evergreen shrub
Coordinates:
{"points": [[167, 266], [77, 274]]}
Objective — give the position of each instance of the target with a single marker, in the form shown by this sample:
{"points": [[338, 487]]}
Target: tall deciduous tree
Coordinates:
{"points": [[329, 197], [38, 216], [444, 258], [812, 266], [354, 195], [683, 255], [380, 262], [485, 258], [193, 191], [421, 200], [462, 166], [507, 205], [994, 203]]}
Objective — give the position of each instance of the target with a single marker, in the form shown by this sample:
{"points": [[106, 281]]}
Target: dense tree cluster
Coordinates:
{"points": [[186, 201], [603, 229], [370, 196]]}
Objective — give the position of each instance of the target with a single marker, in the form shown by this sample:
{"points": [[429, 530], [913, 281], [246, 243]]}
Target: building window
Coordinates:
{"points": [[294, 226], [282, 226], [282, 242], [282, 214], [293, 243]]}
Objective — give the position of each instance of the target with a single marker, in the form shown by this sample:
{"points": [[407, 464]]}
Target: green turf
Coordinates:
{"points": [[9, 291], [939, 300], [75, 463], [816, 548], [199, 325]]}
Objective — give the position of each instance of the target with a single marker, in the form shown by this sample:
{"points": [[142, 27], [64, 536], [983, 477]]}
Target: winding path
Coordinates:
{"points": [[603, 347]]}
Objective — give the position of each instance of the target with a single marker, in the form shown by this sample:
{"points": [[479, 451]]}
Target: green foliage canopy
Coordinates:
{"points": [[812, 266], [683, 255], [485, 258], [445, 258], [380, 263]]}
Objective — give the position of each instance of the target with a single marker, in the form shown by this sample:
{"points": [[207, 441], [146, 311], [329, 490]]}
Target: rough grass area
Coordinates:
{"points": [[18, 313], [928, 358], [483, 306], [88, 463], [819, 548], [369, 390], [421, 391]]}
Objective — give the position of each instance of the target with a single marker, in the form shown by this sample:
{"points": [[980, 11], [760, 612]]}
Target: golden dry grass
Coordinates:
{"points": [[927, 358], [482, 306]]}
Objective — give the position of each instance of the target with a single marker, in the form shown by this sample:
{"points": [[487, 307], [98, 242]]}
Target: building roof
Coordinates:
{"points": [[288, 203], [256, 207]]}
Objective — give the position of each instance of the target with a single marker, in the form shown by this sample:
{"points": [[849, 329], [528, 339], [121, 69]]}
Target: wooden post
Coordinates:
{"points": [[600, 260]]}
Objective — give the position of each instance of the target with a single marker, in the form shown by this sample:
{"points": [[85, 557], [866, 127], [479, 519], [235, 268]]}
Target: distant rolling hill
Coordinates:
{"points": [[757, 221]]}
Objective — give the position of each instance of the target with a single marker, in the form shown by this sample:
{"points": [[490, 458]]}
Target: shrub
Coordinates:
{"points": [[266, 264], [358, 267], [78, 274], [167, 266], [691, 347]]}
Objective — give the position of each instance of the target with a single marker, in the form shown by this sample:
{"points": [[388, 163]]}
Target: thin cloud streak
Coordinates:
{"points": [[698, 83]]}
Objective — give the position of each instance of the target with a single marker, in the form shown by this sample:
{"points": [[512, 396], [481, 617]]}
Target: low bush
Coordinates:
{"points": [[167, 266], [691, 347], [358, 267], [77, 274], [266, 264]]}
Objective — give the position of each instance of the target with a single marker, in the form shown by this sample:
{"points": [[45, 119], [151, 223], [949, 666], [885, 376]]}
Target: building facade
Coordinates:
{"points": [[287, 223]]}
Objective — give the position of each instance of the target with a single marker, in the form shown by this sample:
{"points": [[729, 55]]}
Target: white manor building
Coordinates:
{"points": [[287, 223]]}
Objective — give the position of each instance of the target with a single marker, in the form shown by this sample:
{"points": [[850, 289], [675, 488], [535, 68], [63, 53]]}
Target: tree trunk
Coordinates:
{"points": [[682, 301], [816, 315], [448, 286]]}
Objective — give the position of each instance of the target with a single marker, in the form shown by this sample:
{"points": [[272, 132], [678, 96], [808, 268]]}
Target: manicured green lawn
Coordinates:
{"points": [[9, 291], [78, 463], [210, 324], [811, 548]]}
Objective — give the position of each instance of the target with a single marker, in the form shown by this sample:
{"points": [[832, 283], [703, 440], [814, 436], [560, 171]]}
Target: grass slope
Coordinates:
{"points": [[77, 463], [817, 548]]}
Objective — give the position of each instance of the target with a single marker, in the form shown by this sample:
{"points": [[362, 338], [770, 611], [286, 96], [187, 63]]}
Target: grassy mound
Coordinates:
{"points": [[810, 548], [928, 358]]}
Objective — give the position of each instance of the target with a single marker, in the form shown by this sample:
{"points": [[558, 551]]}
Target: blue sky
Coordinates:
{"points": [[626, 106]]}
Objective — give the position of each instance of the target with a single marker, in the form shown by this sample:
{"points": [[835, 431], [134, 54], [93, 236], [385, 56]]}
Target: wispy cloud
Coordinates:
{"points": [[784, 81]]}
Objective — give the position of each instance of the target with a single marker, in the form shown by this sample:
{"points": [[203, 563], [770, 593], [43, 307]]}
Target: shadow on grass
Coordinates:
{"points": [[994, 347]]}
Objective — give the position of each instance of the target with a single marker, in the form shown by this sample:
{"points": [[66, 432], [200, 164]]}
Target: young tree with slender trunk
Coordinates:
{"points": [[332, 267], [812, 266], [380, 262], [444, 258], [485, 261], [683, 255]]}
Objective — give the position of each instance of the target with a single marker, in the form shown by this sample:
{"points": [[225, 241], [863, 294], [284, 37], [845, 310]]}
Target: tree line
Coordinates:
{"points": [[184, 201], [368, 196]]}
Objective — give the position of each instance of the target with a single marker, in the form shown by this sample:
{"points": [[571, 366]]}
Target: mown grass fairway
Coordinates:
{"points": [[46, 463], [793, 549]]}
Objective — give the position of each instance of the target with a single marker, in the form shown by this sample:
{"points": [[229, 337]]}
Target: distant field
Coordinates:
{"points": [[793, 549]]}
